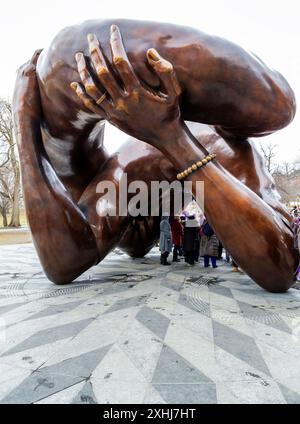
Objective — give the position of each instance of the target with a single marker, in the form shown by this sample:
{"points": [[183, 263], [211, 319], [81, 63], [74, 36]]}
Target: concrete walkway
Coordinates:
{"points": [[135, 331]]}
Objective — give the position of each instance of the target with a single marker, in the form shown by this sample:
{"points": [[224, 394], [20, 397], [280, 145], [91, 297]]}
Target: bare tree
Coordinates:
{"points": [[269, 153], [297, 163], [4, 209], [287, 169], [287, 178], [9, 163], [6, 191]]}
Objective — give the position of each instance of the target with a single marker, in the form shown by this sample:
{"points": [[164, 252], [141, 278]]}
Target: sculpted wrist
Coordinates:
{"points": [[195, 166], [180, 147]]}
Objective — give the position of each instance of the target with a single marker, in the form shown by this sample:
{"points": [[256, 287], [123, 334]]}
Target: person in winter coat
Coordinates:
{"points": [[197, 244], [177, 236], [220, 250], [297, 240], [209, 245], [191, 231], [165, 240], [182, 221]]}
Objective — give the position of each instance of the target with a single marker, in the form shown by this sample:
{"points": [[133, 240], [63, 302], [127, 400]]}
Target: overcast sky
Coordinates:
{"points": [[269, 28]]}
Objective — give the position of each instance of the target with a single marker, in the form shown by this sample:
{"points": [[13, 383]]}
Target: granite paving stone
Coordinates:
{"points": [[134, 331]]}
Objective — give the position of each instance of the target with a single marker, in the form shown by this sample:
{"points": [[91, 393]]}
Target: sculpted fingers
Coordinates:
{"points": [[86, 77], [104, 75], [90, 95], [120, 60], [166, 73], [35, 56], [88, 102], [29, 68]]}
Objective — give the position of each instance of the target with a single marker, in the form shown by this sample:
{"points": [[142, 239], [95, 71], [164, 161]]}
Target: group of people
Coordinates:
{"points": [[295, 213], [189, 239]]}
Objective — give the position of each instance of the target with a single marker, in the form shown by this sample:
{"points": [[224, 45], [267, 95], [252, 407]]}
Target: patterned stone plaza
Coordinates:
{"points": [[133, 331]]}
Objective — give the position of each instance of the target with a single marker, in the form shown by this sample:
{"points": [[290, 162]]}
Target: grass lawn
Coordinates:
{"points": [[15, 235]]}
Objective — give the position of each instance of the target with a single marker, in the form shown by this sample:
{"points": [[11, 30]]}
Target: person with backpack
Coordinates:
{"points": [[209, 244]]}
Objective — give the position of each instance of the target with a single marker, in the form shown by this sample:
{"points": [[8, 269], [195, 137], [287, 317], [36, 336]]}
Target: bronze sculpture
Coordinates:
{"points": [[193, 77]]}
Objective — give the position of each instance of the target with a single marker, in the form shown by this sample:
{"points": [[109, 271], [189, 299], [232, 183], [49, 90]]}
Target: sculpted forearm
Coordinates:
{"points": [[64, 241], [256, 236]]}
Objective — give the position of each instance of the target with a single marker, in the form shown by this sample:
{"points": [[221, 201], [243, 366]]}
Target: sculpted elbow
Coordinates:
{"points": [[284, 103]]}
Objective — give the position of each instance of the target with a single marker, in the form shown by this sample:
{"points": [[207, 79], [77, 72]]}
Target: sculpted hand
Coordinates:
{"points": [[26, 94], [121, 98], [26, 102]]}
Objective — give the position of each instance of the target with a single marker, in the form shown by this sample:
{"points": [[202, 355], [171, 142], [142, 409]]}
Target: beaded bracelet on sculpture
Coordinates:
{"points": [[195, 166]]}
